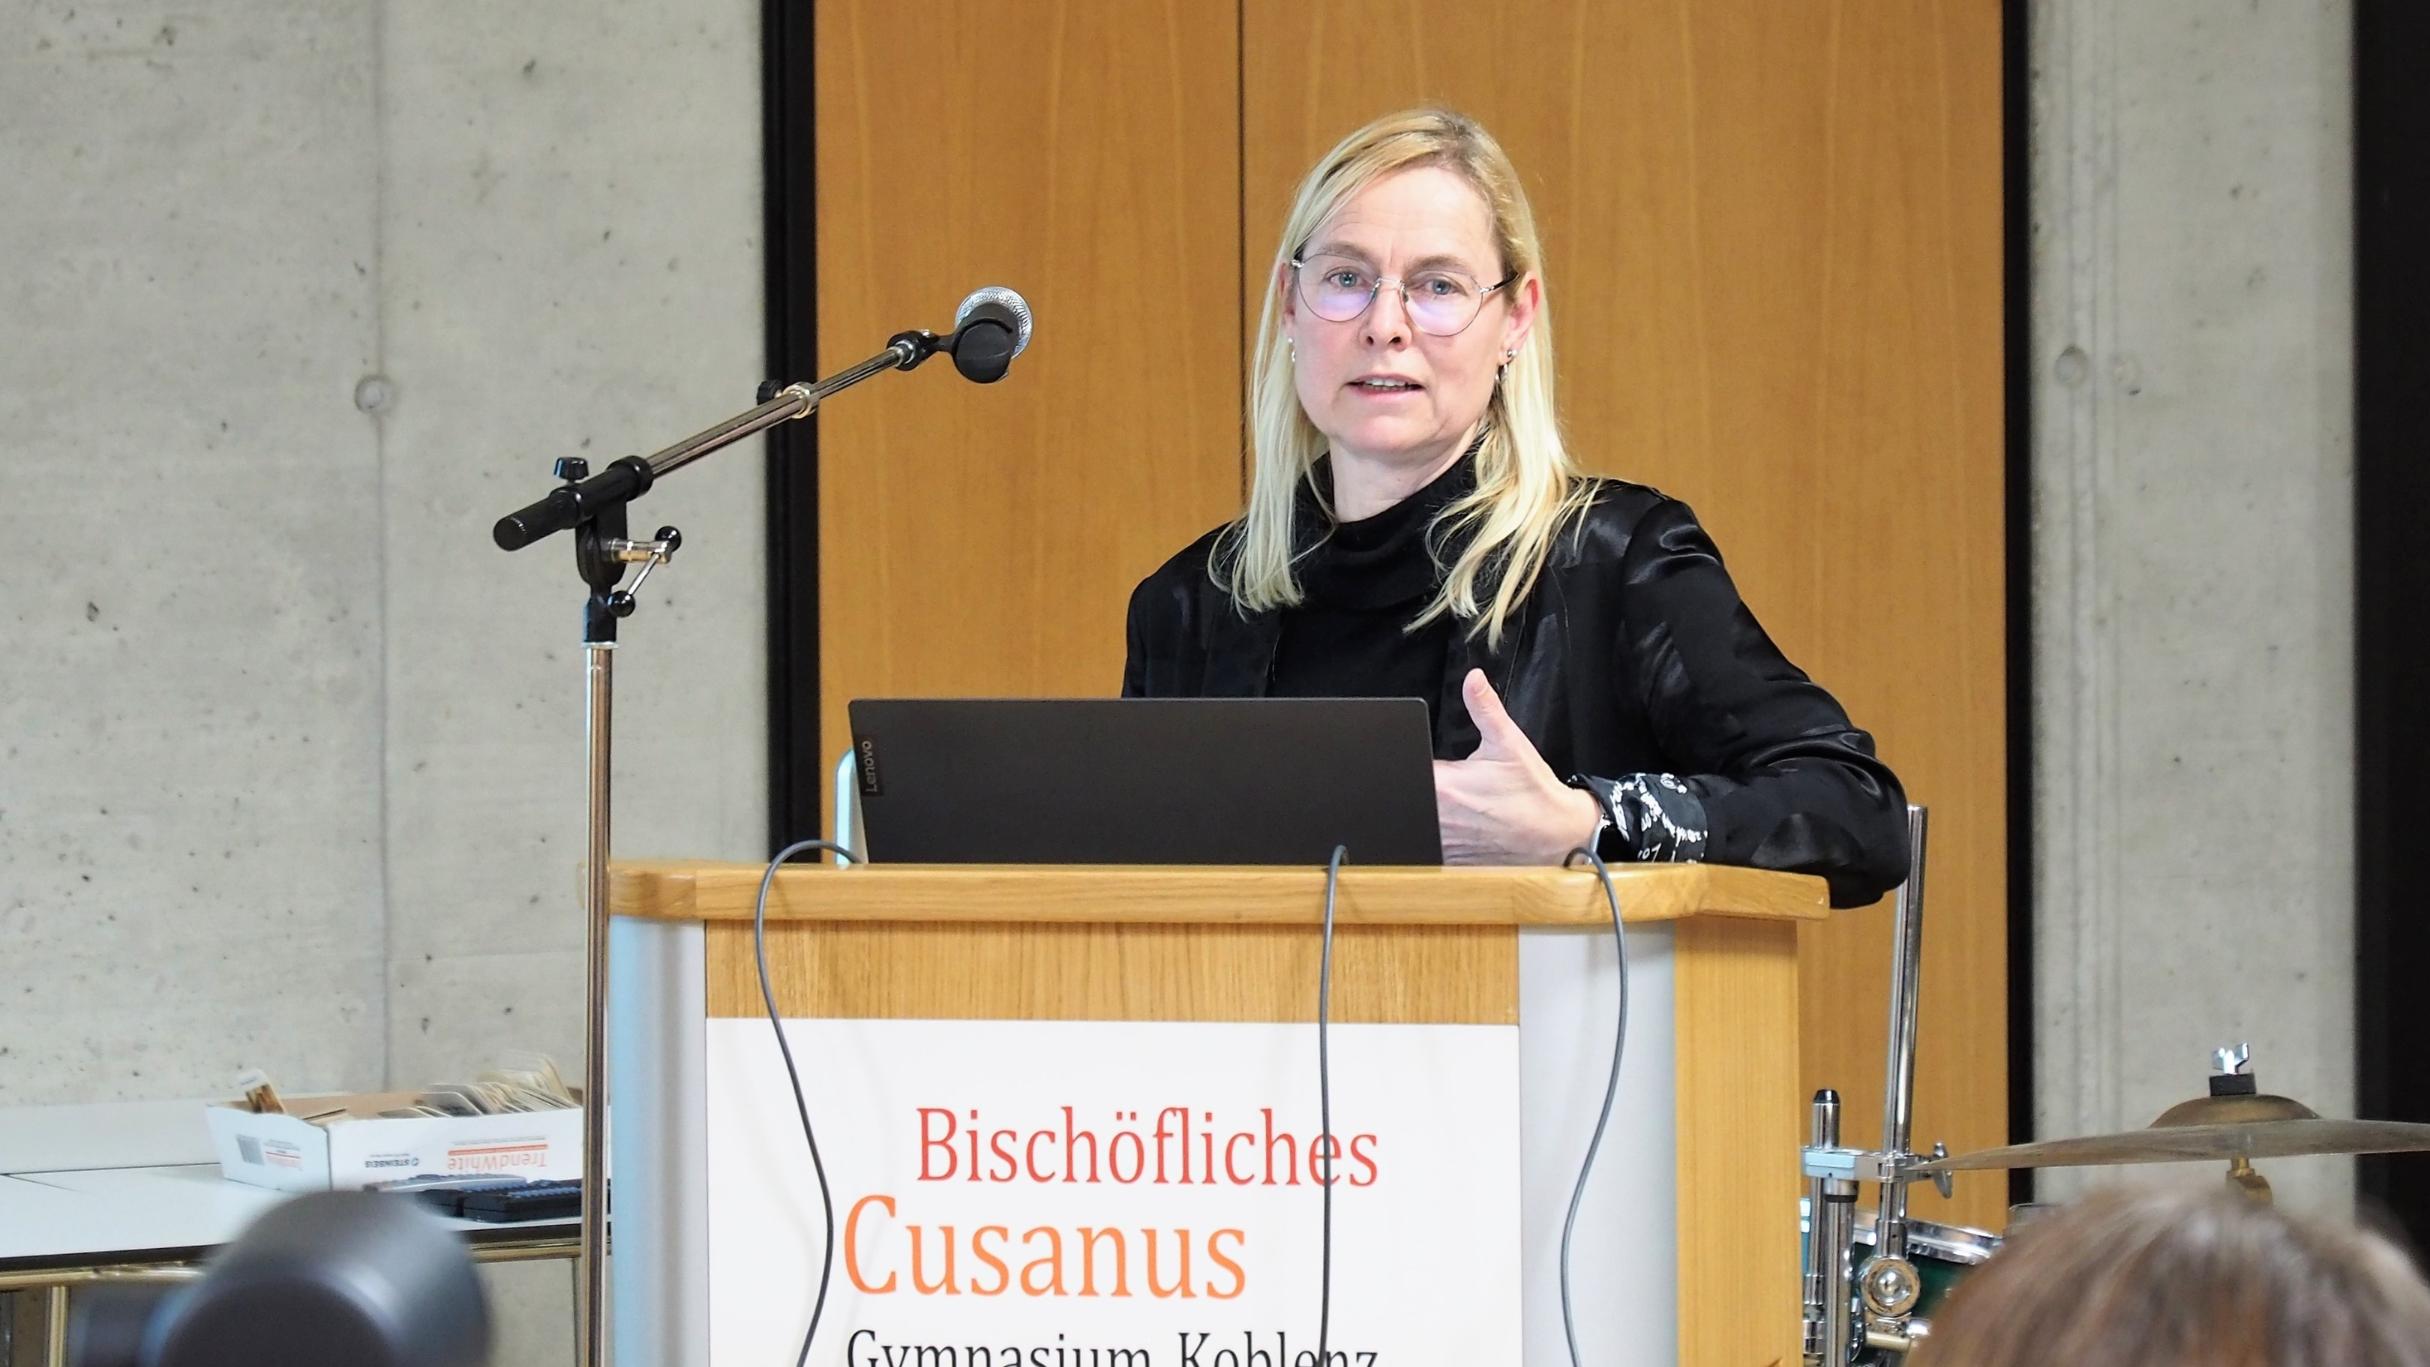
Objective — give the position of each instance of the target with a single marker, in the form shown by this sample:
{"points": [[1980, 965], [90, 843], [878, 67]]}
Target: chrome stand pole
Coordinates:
{"points": [[1898, 1090], [599, 660], [1887, 1283], [602, 552], [1835, 1225], [1830, 1217]]}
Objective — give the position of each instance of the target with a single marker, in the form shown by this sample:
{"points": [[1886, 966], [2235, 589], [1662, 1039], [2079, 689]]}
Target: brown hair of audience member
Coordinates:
{"points": [[2179, 1279]]}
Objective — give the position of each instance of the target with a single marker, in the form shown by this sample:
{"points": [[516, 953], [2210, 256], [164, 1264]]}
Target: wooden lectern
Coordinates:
{"points": [[1687, 1246]]}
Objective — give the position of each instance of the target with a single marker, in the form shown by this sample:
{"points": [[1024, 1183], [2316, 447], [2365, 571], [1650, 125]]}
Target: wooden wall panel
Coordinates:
{"points": [[984, 540], [1774, 234], [1774, 237]]}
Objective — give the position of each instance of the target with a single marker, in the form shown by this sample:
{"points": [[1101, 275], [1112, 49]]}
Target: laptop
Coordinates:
{"points": [[1145, 780]]}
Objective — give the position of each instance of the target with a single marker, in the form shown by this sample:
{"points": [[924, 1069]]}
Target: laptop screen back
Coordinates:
{"points": [[1146, 781]]}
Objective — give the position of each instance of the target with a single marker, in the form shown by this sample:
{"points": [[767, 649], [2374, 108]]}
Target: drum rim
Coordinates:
{"points": [[1952, 1243]]}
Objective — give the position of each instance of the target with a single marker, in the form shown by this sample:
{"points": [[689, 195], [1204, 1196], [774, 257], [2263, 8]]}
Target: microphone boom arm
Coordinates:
{"points": [[796, 400], [630, 478]]}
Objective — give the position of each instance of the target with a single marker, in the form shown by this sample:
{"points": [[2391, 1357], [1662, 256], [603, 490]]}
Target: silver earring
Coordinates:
{"points": [[1292, 347]]}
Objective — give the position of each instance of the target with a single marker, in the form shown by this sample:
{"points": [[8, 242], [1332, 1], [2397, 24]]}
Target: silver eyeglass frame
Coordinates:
{"points": [[1299, 266]]}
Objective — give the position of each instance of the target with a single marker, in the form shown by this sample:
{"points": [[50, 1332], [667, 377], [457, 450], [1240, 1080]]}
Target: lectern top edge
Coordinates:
{"points": [[707, 890]]}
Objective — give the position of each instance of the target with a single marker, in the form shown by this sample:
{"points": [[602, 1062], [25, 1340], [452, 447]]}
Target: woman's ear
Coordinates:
{"points": [[1286, 275], [1526, 299]]}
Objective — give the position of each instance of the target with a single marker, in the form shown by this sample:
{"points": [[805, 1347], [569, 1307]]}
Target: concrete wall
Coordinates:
{"points": [[2192, 483], [295, 298]]}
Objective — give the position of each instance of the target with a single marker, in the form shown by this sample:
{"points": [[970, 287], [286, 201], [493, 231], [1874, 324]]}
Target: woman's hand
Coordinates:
{"points": [[1503, 804]]}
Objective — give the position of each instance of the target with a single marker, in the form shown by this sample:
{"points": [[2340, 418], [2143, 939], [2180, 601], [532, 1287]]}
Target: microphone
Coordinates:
{"points": [[989, 328], [365, 1278]]}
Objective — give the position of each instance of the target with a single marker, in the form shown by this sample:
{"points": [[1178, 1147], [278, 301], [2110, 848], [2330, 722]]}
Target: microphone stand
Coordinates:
{"points": [[593, 508]]}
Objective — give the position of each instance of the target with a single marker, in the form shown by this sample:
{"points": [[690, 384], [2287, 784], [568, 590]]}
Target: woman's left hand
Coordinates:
{"points": [[1503, 804]]}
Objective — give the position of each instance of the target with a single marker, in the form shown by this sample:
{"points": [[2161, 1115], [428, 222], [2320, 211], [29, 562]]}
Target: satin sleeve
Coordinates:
{"points": [[1768, 761], [1159, 658], [1139, 628]]}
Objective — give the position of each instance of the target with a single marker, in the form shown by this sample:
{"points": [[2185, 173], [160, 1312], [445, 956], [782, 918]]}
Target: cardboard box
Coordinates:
{"points": [[346, 1144]]}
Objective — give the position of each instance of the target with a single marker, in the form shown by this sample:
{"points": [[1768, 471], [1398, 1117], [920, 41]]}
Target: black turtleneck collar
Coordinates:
{"points": [[1379, 561]]}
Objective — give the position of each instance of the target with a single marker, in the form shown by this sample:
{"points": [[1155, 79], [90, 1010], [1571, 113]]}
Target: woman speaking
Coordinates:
{"points": [[1415, 527]]}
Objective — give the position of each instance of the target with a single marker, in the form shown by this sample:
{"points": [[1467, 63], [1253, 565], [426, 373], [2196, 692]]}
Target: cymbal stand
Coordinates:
{"points": [[1849, 1309]]}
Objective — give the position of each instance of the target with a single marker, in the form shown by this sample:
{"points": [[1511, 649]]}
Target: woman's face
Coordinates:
{"points": [[1379, 386]]}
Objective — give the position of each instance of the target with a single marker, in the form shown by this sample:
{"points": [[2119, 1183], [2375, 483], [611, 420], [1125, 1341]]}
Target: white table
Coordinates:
{"points": [[113, 1134], [122, 1215], [131, 1191]]}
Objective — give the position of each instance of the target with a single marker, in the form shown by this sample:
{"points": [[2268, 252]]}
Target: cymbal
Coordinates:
{"points": [[2211, 1128]]}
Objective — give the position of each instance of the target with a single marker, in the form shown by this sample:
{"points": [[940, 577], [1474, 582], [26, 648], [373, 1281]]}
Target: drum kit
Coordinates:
{"points": [[1872, 1280]]}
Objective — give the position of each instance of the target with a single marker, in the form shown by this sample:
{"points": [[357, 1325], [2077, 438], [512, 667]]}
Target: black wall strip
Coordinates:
{"points": [[2016, 347], [796, 773], [2391, 580]]}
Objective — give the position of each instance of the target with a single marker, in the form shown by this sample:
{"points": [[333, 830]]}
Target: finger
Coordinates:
{"points": [[1497, 735]]}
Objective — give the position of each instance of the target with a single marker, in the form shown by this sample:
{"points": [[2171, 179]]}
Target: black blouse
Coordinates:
{"points": [[1361, 585], [1633, 666]]}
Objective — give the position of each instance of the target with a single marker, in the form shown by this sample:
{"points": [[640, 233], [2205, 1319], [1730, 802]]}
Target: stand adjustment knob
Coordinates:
{"points": [[1890, 1286]]}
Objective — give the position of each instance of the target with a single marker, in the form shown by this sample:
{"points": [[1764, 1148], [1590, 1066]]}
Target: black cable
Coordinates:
{"points": [[767, 997], [1324, 1098], [1611, 1089]]}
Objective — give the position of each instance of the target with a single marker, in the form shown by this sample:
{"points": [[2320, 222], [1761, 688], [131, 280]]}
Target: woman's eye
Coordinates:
{"points": [[1345, 280], [1439, 287]]}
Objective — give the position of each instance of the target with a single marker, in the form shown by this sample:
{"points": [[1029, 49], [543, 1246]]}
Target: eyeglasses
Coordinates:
{"points": [[1438, 301]]}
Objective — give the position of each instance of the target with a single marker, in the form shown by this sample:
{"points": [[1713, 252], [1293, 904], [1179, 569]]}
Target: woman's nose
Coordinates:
{"points": [[1387, 319]]}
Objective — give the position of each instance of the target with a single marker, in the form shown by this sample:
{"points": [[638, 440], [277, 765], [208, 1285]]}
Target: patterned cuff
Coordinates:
{"points": [[1648, 818]]}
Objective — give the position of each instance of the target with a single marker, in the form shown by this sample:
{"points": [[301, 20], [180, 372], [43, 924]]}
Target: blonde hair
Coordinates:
{"points": [[2177, 1279], [1526, 486]]}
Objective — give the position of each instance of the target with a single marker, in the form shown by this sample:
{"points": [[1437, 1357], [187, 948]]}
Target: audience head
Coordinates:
{"points": [[2178, 1279]]}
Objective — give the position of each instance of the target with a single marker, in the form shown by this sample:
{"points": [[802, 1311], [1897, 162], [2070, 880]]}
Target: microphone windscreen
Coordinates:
{"points": [[1001, 305]]}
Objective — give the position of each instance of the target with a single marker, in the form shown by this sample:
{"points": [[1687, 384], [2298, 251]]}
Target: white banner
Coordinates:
{"points": [[1085, 1194]]}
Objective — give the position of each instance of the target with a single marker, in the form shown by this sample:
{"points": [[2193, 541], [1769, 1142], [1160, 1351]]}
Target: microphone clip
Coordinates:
{"points": [[915, 346]]}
